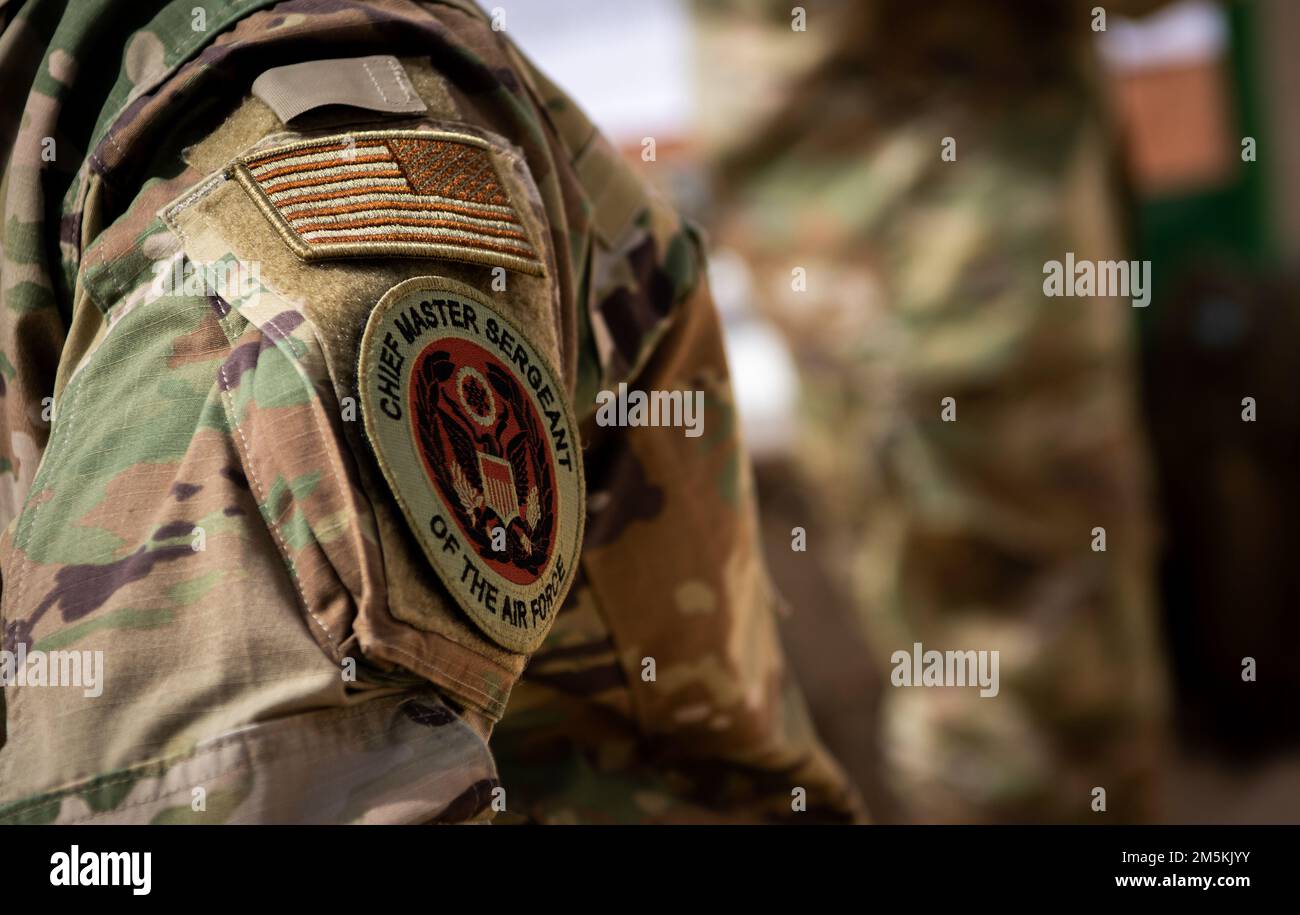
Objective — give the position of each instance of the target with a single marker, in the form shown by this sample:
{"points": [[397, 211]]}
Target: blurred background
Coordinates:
{"points": [[881, 183]]}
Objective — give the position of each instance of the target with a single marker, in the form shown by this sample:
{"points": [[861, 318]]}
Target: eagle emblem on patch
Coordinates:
{"points": [[406, 193], [476, 439]]}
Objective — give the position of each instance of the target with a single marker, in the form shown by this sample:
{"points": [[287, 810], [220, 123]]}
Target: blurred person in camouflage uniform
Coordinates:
{"points": [[305, 309], [903, 277]]}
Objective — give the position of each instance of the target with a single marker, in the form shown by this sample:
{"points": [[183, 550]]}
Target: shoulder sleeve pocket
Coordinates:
{"points": [[357, 542]]}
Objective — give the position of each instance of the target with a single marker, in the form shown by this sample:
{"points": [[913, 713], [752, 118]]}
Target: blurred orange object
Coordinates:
{"points": [[1177, 125]]}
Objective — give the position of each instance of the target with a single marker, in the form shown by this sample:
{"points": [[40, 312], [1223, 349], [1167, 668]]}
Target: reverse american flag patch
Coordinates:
{"points": [[404, 193]]}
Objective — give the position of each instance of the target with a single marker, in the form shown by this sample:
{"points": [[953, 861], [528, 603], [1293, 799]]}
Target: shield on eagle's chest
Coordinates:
{"points": [[499, 486]]}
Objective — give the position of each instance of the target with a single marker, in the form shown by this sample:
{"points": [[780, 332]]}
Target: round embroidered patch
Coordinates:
{"points": [[475, 437]]}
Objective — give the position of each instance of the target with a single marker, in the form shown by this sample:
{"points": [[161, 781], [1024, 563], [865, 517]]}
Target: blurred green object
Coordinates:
{"points": [[1229, 225], [1224, 325]]}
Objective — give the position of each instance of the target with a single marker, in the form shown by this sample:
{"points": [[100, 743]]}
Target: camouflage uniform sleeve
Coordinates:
{"points": [[212, 535], [312, 493]]}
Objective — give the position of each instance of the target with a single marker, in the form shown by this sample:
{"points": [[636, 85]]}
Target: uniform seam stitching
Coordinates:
{"points": [[365, 65], [272, 523], [399, 76], [496, 703]]}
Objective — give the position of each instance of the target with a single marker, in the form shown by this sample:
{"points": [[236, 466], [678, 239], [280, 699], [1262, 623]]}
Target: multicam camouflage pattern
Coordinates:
{"points": [[185, 490], [924, 282]]}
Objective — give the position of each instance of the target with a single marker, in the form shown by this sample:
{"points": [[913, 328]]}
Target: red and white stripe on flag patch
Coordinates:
{"points": [[405, 193]]}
